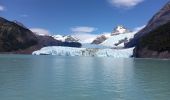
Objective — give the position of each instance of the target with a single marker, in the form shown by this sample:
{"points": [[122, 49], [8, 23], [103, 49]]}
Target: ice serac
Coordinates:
{"points": [[69, 51], [160, 18]]}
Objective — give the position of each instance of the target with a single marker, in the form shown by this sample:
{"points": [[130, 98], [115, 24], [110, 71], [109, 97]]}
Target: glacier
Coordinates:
{"points": [[70, 51], [112, 40], [116, 39]]}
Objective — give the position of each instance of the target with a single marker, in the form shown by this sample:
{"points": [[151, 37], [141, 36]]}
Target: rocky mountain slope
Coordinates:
{"points": [[100, 39], [156, 44], [154, 40], [16, 38], [160, 18], [13, 37]]}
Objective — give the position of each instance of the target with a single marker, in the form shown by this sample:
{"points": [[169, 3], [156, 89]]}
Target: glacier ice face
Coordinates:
{"points": [[93, 46], [60, 51], [70, 51], [116, 53]]}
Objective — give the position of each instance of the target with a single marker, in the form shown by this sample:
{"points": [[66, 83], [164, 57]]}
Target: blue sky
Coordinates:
{"points": [[89, 16]]}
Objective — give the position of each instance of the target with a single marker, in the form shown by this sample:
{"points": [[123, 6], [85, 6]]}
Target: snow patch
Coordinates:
{"points": [[115, 39]]}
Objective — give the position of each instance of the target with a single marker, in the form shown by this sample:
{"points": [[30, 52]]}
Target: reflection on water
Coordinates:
{"points": [[83, 78]]}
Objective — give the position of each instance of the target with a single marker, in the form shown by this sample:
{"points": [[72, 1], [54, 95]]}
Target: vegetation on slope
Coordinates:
{"points": [[157, 40], [14, 37]]}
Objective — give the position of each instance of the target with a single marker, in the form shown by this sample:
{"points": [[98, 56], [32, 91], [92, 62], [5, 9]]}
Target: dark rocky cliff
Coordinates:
{"points": [[14, 37], [99, 39], [156, 44], [160, 18]]}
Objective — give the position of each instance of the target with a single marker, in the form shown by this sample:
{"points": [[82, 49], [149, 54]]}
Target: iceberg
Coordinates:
{"points": [[71, 51]]}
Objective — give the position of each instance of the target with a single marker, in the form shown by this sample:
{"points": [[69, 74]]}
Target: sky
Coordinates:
{"points": [[80, 17]]}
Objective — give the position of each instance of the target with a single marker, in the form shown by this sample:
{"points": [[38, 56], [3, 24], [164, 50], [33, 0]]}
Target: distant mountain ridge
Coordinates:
{"points": [[67, 38], [117, 38]]}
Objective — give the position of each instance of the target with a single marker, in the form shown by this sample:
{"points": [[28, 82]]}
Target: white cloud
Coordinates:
{"points": [[125, 3], [137, 29], [84, 33], [40, 31], [107, 34], [83, 29], [2, 8], [85, 37]]}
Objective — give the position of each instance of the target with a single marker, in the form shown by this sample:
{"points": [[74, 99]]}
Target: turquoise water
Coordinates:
{"points": [[83, 78]]}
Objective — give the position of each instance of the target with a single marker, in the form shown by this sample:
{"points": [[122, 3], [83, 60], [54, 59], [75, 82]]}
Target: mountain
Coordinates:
{"points": [[118, 38], [160, 18], [19, 23], [155, 44], [16, 38], [118, 41], [118, 30], [44, 41], [99, 39], [67, 38], [107, 48], [154, 40]]}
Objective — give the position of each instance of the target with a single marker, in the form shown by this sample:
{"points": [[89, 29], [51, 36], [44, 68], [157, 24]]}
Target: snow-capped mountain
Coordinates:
{"points": [[120, 30], [67, 38], [119, 36], [105, 45], [118, 40], [115, 39], [160, 18]]}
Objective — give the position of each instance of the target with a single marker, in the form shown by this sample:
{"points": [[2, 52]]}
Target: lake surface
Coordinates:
{"points": [[83, 78]]}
